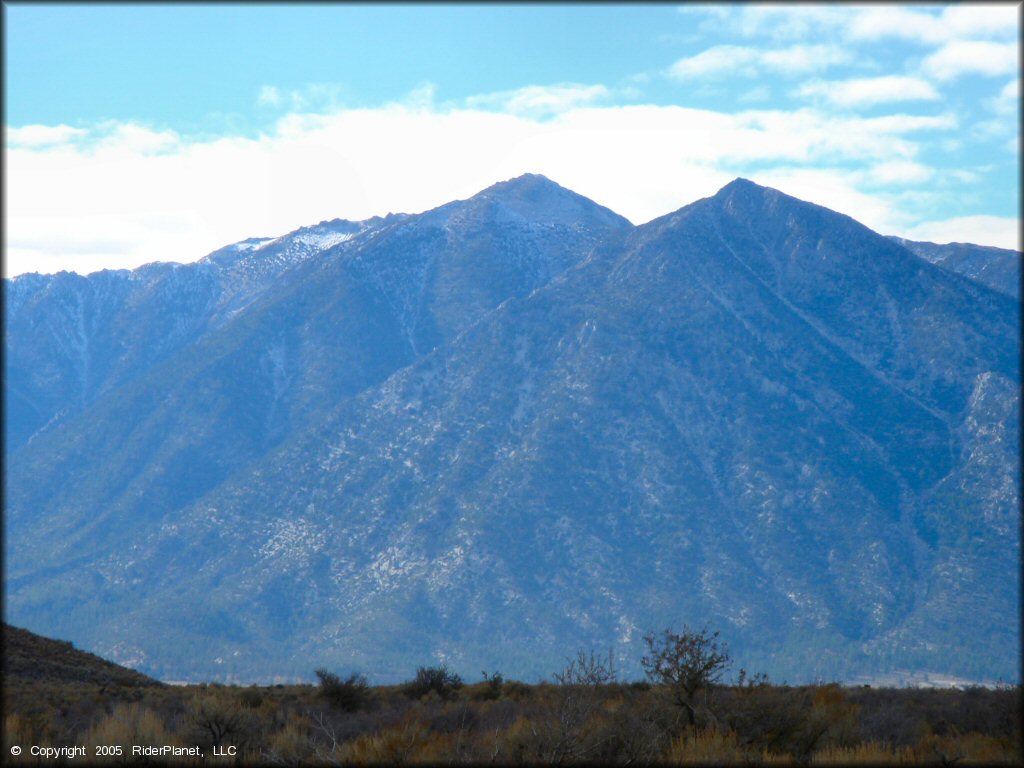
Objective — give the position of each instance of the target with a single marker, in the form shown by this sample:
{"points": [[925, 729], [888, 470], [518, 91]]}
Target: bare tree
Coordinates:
{"points": [[588, 670], [565, 733], [687, 662]]}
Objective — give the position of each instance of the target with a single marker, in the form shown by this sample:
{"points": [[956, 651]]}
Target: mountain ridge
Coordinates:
{"points": [[572, 423]]}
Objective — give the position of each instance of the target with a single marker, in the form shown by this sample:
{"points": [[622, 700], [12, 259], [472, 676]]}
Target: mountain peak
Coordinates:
{"points": [[743, 189], [525, 182], [538, 198], [532, 187], [739, 183]]}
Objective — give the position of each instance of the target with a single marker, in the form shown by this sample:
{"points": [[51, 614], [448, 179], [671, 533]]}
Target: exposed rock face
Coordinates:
{"points": [[516, 425]]}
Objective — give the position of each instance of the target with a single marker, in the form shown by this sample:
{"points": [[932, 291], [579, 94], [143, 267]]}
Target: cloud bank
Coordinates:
{"points": [[911, 143], [125, 194]]}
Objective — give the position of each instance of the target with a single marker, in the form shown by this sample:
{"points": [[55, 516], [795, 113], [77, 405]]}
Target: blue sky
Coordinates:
{"points": [[162, 132]]}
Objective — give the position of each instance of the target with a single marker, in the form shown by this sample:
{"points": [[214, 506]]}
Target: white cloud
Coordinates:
{"points": [[908, 123], [782, 22], [420, 98], [963, 57], [1007, 101], [997, 128], [870, 23], [269, 96], [799, 59], [868, 91], [313, 96], [126, 194], [134, 138], [975, 20], [885, 21], [747, 61], [899, 172], [536, 100], [811, 136], [714, 61], [41, 135], [964, 175], [999, 231]]}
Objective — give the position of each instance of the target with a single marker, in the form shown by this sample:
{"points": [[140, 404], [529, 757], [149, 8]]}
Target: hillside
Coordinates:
{"points": [[31, 658]]}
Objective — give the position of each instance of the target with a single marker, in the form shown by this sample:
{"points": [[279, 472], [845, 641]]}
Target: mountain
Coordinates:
{"points": [[331, 327], [70, 339], [515, 425], [998, 268]]}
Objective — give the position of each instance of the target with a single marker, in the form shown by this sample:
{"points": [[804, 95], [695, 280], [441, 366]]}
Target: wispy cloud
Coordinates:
{"points": [[974, 21], [869, 91], [899, 172], [884, 22], [538, 100], [963, 57], [870, 23], [269, 96], [41, 135], [748, 61], [781, 22], [800, 59], [980, 20], [720, 59], [1007, 101], [310, 97]]}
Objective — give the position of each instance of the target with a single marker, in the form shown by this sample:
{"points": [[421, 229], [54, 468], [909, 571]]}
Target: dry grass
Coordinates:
{"points": [[522, 724]]}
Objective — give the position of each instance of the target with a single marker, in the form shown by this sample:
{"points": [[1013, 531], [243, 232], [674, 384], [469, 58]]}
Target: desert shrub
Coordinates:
{"points": [[491, 689], [644, 725], [791, 721], [251, 698], [709, 746], [291, 745], [573, 720], [885, 718], [865, 753], [127, 725], [831, 721], [954, 748], [440, 680], [214, 719], [409, 742], [769, 718], [16, 731], [517, 690], [348, 695]]}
